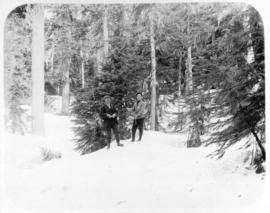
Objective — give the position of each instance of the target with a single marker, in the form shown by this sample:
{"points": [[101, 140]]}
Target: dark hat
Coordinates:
{"points": [[107, 96]]}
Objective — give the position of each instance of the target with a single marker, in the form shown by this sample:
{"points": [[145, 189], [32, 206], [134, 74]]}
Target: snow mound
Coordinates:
{"points": [[157, 172], [25, 151]]}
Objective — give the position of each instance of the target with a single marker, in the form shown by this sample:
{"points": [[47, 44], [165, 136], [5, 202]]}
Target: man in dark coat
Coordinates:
{"points": [[109, 115]]}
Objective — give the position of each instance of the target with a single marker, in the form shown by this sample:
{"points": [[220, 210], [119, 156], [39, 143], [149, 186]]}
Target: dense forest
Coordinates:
{"points": [[205, 58]]}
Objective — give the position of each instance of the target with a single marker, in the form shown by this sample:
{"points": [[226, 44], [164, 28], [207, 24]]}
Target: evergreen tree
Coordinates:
{"points": [[116, 82], [243, 89], [121, 78], [221, 64]]}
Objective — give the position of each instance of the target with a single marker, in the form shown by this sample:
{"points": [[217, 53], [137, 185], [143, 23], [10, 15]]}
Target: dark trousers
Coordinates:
{"points": [[137, 123], [109, 127]]}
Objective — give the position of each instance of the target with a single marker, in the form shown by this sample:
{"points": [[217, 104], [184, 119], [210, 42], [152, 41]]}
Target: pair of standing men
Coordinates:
{"points": [[109, 115]]}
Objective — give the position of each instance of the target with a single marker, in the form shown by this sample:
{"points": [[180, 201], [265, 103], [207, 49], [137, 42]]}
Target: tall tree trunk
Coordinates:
{"points": [[65, 70], [82, 64], [153, 75], [58, 89], [180, 91], [52, 57], [189, 62], [128, 17], [38, 70], [180, 75], [99, 62], [83, 81], [195, 42], [106, 33], [189, 83], [250, 49], [213, 35], [66, 88], [157, 110]]}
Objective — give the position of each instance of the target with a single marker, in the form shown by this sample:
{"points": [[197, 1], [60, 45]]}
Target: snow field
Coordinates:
{"points": [[158, 172], [155, 173]]}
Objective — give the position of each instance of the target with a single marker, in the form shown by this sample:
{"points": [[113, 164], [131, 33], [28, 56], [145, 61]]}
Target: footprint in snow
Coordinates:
{"points": [[49, 188], [121, 202], [64, 188]]}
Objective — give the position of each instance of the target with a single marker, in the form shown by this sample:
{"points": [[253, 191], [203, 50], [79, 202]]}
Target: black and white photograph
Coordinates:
{"points": [[133, 107]]}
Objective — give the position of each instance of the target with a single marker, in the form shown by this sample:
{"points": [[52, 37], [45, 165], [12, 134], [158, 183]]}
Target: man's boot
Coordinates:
{"points": [[120, 144], [133, 137]]}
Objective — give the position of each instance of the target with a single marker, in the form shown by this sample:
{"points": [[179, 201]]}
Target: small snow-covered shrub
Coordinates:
{"points": [[22, 151], [28, 151], [48, 154]]}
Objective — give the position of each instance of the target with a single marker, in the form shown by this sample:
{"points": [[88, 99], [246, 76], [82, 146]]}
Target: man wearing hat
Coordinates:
{"points": [[109, 115]]}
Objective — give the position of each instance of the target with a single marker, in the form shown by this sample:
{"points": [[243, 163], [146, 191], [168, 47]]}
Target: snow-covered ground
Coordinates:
{"points": [[158, 172]]}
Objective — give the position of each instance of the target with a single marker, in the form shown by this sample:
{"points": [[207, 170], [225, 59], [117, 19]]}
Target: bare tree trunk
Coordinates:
{"points": [[195, 42], [102, 55], [189, 62], [213, 35], [66, 88], [83, 81], [179, 91], [58, 90], [153, 75], [157, 108], [128, 19], [82, 64], [52, 57], [106, 33], [250, 50], [189, 83], [38, 70], [99, 62], [180, 76]]}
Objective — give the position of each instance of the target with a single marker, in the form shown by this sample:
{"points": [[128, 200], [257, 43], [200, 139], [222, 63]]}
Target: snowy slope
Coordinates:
{"points": [[157, 172]]}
